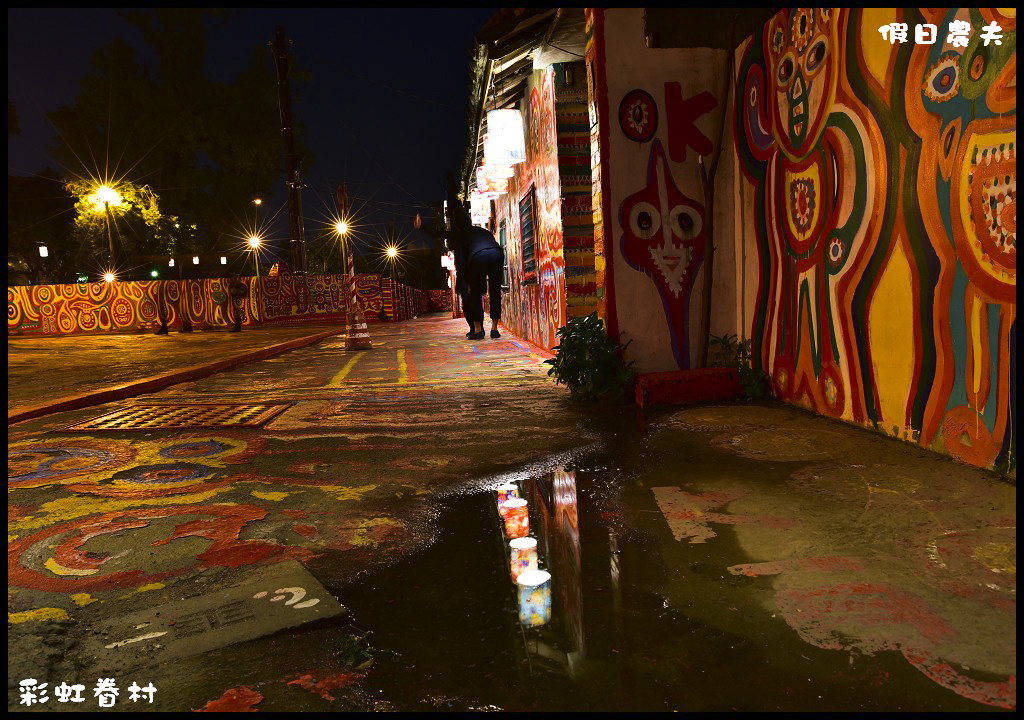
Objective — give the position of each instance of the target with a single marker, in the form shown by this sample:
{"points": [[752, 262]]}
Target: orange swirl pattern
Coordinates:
{"points": [[136, 306]]}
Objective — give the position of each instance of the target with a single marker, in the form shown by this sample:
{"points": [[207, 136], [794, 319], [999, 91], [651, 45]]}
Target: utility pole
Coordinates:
{"points": [[291, 173]]}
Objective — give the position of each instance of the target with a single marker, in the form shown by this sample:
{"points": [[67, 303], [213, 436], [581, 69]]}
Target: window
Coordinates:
{"points": [[502, 240], [528, 230]]}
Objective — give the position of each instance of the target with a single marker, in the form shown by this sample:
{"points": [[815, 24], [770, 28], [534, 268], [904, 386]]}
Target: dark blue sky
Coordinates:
{"points": [[385, 110]]}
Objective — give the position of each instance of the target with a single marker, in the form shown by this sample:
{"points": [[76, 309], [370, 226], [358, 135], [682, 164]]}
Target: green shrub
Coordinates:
{"points": [[727, 351], [590, 363]]}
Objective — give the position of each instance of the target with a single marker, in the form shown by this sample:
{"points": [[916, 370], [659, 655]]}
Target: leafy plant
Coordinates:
{"points": [[590, 363], [727, 351]]}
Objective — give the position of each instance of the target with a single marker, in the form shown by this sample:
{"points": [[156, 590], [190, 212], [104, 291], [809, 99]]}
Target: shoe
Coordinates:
{"points": [[476, 336], [495, 334]]}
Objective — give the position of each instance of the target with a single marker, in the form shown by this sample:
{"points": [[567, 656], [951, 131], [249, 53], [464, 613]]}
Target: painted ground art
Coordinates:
{"points": [[883, 178]]}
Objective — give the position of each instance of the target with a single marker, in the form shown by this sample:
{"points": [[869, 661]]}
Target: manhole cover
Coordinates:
{"points": [[173, 417]]}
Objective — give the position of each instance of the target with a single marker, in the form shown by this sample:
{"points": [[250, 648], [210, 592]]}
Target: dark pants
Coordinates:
{"points": [[485, 269], [463, 291]]}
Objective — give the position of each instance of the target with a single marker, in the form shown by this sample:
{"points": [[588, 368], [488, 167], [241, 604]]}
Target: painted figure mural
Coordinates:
{"points": [[884, 212], [663, 237]]}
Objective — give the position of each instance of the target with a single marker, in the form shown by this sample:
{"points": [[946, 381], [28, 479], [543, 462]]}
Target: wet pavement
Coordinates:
{"points": [[734, 557], [76, 364]]}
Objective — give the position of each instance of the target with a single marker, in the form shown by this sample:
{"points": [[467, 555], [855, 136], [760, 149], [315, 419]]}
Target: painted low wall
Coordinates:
{"points": [[135, 306], [878, 223]]}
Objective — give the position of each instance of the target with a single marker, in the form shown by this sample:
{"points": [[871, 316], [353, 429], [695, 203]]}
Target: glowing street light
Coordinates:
{"points": [[109, 277], [195, 259], [103, 197], [341, 227], [154, 274], [43, 251], [257, 202], [254, 245], [392, 252], [170, 263]]}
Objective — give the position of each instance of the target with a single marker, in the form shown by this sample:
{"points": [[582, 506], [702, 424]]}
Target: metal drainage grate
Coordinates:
{"points": [[173, 417]]}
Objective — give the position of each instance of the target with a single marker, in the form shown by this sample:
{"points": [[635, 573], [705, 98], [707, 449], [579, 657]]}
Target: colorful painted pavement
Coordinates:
{"points": [[857, 547], [97, 517], [776, 527]]}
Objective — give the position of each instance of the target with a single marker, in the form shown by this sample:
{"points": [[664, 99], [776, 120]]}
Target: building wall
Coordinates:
{"points": [[878, 223], [133, 306], [662, 109], [573, 132], [534, 307]]}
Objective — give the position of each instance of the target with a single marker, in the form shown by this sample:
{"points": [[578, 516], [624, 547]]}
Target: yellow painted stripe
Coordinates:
{"points": [[976, 342], [403, 368], [340, 377], [46, 613]]}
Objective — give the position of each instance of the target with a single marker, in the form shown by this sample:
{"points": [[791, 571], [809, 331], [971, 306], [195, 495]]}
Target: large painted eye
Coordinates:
{"points": [[942, 81], [685, 222], [644, 220], [816, 56], [787, 68]]}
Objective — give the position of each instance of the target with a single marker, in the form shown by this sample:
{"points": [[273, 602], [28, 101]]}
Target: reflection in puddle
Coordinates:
{"points": [[548, 506], [570, 591]]}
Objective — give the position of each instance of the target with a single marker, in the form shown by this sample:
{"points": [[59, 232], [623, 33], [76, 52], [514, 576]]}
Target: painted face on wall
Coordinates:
{"points": [[801, 49], [664, 238], [972, 92]]}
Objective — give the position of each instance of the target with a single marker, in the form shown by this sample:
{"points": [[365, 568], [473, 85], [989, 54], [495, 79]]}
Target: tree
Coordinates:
{"points": [[206, 148], [142, 229], [40, 212]]}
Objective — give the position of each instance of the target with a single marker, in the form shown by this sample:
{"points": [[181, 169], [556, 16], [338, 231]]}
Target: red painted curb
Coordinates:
{"points": [[159, 382]]}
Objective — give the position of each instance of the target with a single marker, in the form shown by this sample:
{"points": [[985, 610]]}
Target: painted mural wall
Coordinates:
{"points": [[534, 306], [135, 306], [572, 129], [662, 108], [878, 197]]}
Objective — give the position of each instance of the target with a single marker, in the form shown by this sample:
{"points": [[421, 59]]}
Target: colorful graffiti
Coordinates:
{"points": [[654, 206], [137, 306], [884, 186], [573, 131], [534, 308], [664, 239]]}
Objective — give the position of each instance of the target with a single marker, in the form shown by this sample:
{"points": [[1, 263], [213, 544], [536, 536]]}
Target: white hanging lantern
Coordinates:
{"points": [[223, 260], [195, 259], [43, 251], [489, 185], [504, 143], [479, 208], [170, 263]]}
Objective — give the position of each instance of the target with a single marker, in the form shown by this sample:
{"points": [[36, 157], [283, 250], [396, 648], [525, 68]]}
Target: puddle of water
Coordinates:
{"points": [[611, 629]]}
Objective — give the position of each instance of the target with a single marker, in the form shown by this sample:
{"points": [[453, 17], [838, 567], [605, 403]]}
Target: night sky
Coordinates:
{"points": [[385, 110]]}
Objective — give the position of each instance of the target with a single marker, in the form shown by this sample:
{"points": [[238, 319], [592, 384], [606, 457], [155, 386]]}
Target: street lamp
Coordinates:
{"points": [[109, 277], [254, 245], [102, 199]]}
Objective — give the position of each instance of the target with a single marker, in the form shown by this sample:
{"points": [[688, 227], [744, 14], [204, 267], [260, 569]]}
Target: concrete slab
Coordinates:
{"points": [[274, 598]]}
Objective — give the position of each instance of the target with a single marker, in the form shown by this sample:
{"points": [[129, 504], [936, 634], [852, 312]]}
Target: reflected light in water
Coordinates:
{"points": [[517, 518], [508, 491], [534, 597], [524, 556]]}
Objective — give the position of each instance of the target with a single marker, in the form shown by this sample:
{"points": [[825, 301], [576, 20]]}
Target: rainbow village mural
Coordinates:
{"points": [[881, 180], [136, 306]]}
